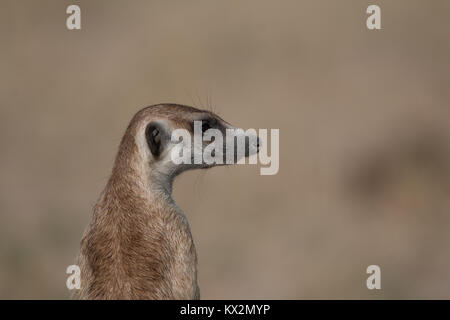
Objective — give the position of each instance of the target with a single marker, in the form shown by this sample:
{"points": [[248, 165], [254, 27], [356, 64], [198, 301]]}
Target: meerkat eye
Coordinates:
{"points": [[208, 124], [205, 126]]}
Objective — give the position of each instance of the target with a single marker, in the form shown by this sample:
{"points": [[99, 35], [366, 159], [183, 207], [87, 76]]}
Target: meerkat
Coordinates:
{"points": [[139, 244]]}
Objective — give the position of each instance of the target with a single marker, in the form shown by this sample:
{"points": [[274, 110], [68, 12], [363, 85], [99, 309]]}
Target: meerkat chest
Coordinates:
{"points": [[171, 252], [183, 270]]}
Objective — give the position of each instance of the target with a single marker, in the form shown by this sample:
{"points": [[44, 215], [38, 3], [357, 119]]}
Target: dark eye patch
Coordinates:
{"points": [[154, 135], [208, 123]]}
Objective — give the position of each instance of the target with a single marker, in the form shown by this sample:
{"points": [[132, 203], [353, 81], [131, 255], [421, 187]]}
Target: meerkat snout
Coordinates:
{"points": [[139, 244]]}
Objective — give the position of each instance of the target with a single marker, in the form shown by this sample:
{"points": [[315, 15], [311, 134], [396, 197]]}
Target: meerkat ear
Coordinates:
{"points": [[154, 133]]}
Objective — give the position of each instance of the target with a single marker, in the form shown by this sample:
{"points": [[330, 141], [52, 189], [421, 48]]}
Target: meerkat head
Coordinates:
{"points": [[174, 138]]}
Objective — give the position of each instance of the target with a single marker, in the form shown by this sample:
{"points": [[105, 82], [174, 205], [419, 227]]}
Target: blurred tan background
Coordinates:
{"points": [[364, 139]]}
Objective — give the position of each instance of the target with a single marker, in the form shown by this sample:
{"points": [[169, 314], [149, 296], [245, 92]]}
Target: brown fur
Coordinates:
{"points": [[138, 244]]}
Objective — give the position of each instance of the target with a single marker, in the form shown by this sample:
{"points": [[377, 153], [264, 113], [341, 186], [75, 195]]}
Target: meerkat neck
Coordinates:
{"points": [[135, 177], [138, 220], [160, 185]]}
